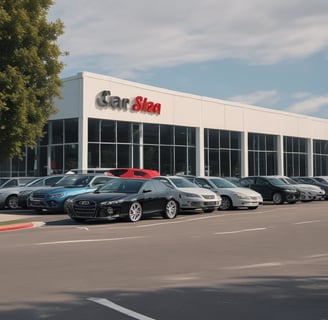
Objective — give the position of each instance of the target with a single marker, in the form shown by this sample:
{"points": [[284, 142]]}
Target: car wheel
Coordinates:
{"points": [[277, 198], [135, 212], [12, 202], [171, 210], [209, 210], [226, 203]]}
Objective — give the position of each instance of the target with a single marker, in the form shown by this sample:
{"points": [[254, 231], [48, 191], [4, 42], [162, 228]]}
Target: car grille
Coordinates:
{"points": [[85, 208], [208, 197], [38, 195]]}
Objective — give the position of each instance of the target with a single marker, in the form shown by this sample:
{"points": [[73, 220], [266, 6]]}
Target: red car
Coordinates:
{"points": [[132, 173]]}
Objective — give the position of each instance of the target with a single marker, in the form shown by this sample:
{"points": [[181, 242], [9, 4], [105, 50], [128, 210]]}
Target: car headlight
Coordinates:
{"points": [[110, 203], [69, 200], [242, 196], [290, 190], [189, 195], [56, 195]]}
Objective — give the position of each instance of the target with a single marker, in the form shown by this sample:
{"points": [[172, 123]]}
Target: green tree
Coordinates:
{"points": [[29, 72]]}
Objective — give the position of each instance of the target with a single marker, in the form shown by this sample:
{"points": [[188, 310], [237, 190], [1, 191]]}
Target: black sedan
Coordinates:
{"points": [[272, 189], [124, 198]]}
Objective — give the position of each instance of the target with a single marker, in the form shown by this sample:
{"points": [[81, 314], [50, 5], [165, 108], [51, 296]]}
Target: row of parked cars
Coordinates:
{"points": [[111, 195]]}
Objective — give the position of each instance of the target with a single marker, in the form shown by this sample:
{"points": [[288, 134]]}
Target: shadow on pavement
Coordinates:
{"points": [[257, 298]]}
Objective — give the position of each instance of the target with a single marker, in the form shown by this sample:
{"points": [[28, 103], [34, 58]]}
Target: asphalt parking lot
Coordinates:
{"points": [[269, 263]]}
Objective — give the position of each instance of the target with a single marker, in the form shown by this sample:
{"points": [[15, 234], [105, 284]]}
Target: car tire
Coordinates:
{"points": [[209, 210], [12, 202], [252, 208], [135, 212], [171, 210], [226, 203], [277, 198]]}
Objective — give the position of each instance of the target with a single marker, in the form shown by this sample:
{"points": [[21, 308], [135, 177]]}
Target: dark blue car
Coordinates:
{"points": [[53, 199]]}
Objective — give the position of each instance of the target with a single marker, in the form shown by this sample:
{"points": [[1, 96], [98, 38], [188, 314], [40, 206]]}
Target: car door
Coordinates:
{"points": [[255, 183], [264, 187], [153, 198]]}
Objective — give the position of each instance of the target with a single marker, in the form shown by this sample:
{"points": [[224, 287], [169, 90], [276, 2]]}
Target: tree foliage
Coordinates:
{"points": [[29, 72]]}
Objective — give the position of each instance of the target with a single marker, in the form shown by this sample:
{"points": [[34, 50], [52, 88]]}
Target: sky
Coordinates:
{"points": [[266, 53]]}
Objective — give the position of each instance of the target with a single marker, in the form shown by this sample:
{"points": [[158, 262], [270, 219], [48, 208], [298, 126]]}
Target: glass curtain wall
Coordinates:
{"points": [[295, 157], [222, 153], [262, 154], [168, 149], [58, 150], [320, 157], [113, 144]]}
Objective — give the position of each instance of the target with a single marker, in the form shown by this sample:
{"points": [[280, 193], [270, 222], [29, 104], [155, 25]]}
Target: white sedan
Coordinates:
{"points": [[190, 196], [232, 195]]}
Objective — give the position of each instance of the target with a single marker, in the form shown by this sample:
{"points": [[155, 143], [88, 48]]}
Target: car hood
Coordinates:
{"points": [[245, 191], [200, 191], [70, 190], [102, 196], [308, 187]]}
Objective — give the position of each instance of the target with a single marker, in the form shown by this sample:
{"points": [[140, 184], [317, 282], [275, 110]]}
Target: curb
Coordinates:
{"points": [[18, 226]]}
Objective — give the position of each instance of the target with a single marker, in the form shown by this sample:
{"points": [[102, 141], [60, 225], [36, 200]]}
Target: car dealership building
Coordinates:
{"points": [[105, 122]]}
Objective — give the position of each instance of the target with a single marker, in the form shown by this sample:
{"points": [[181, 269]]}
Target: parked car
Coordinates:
{"points": [[307, 192], [323, 179], [124, 198], [15, 181], [9, 196], [232, 195], [133, 173], [190, 196], [234, 180], [53, 199], [312, 181], [272, 189], [44, 182]]}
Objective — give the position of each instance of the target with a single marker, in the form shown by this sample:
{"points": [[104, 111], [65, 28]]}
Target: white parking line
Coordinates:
{"points": [[311, 221], [240, 231], [252, 266], [89, 240], [119, 308]]}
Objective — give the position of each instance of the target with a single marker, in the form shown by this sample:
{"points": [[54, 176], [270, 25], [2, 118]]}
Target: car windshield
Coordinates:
{"points": [[182, 183], [3, 181], [277, 182], [222, 183], [288, 180], [74, 180], [121, 186], [34, 182]]}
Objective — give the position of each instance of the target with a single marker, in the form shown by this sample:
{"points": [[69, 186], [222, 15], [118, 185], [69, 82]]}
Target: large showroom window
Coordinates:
{"points": [[262, 154], [222, 153], [320, 157], [113, 144], [58, 150], [168, 149], [295, 157]]}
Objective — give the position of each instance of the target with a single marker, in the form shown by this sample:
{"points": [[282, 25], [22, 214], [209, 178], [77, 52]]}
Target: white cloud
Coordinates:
{"points": [[310, 106], [126, 36], [267, 98]]}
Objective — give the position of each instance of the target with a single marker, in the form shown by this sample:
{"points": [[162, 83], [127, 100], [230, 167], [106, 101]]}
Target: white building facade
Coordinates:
{"points": [[105, 122]]}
